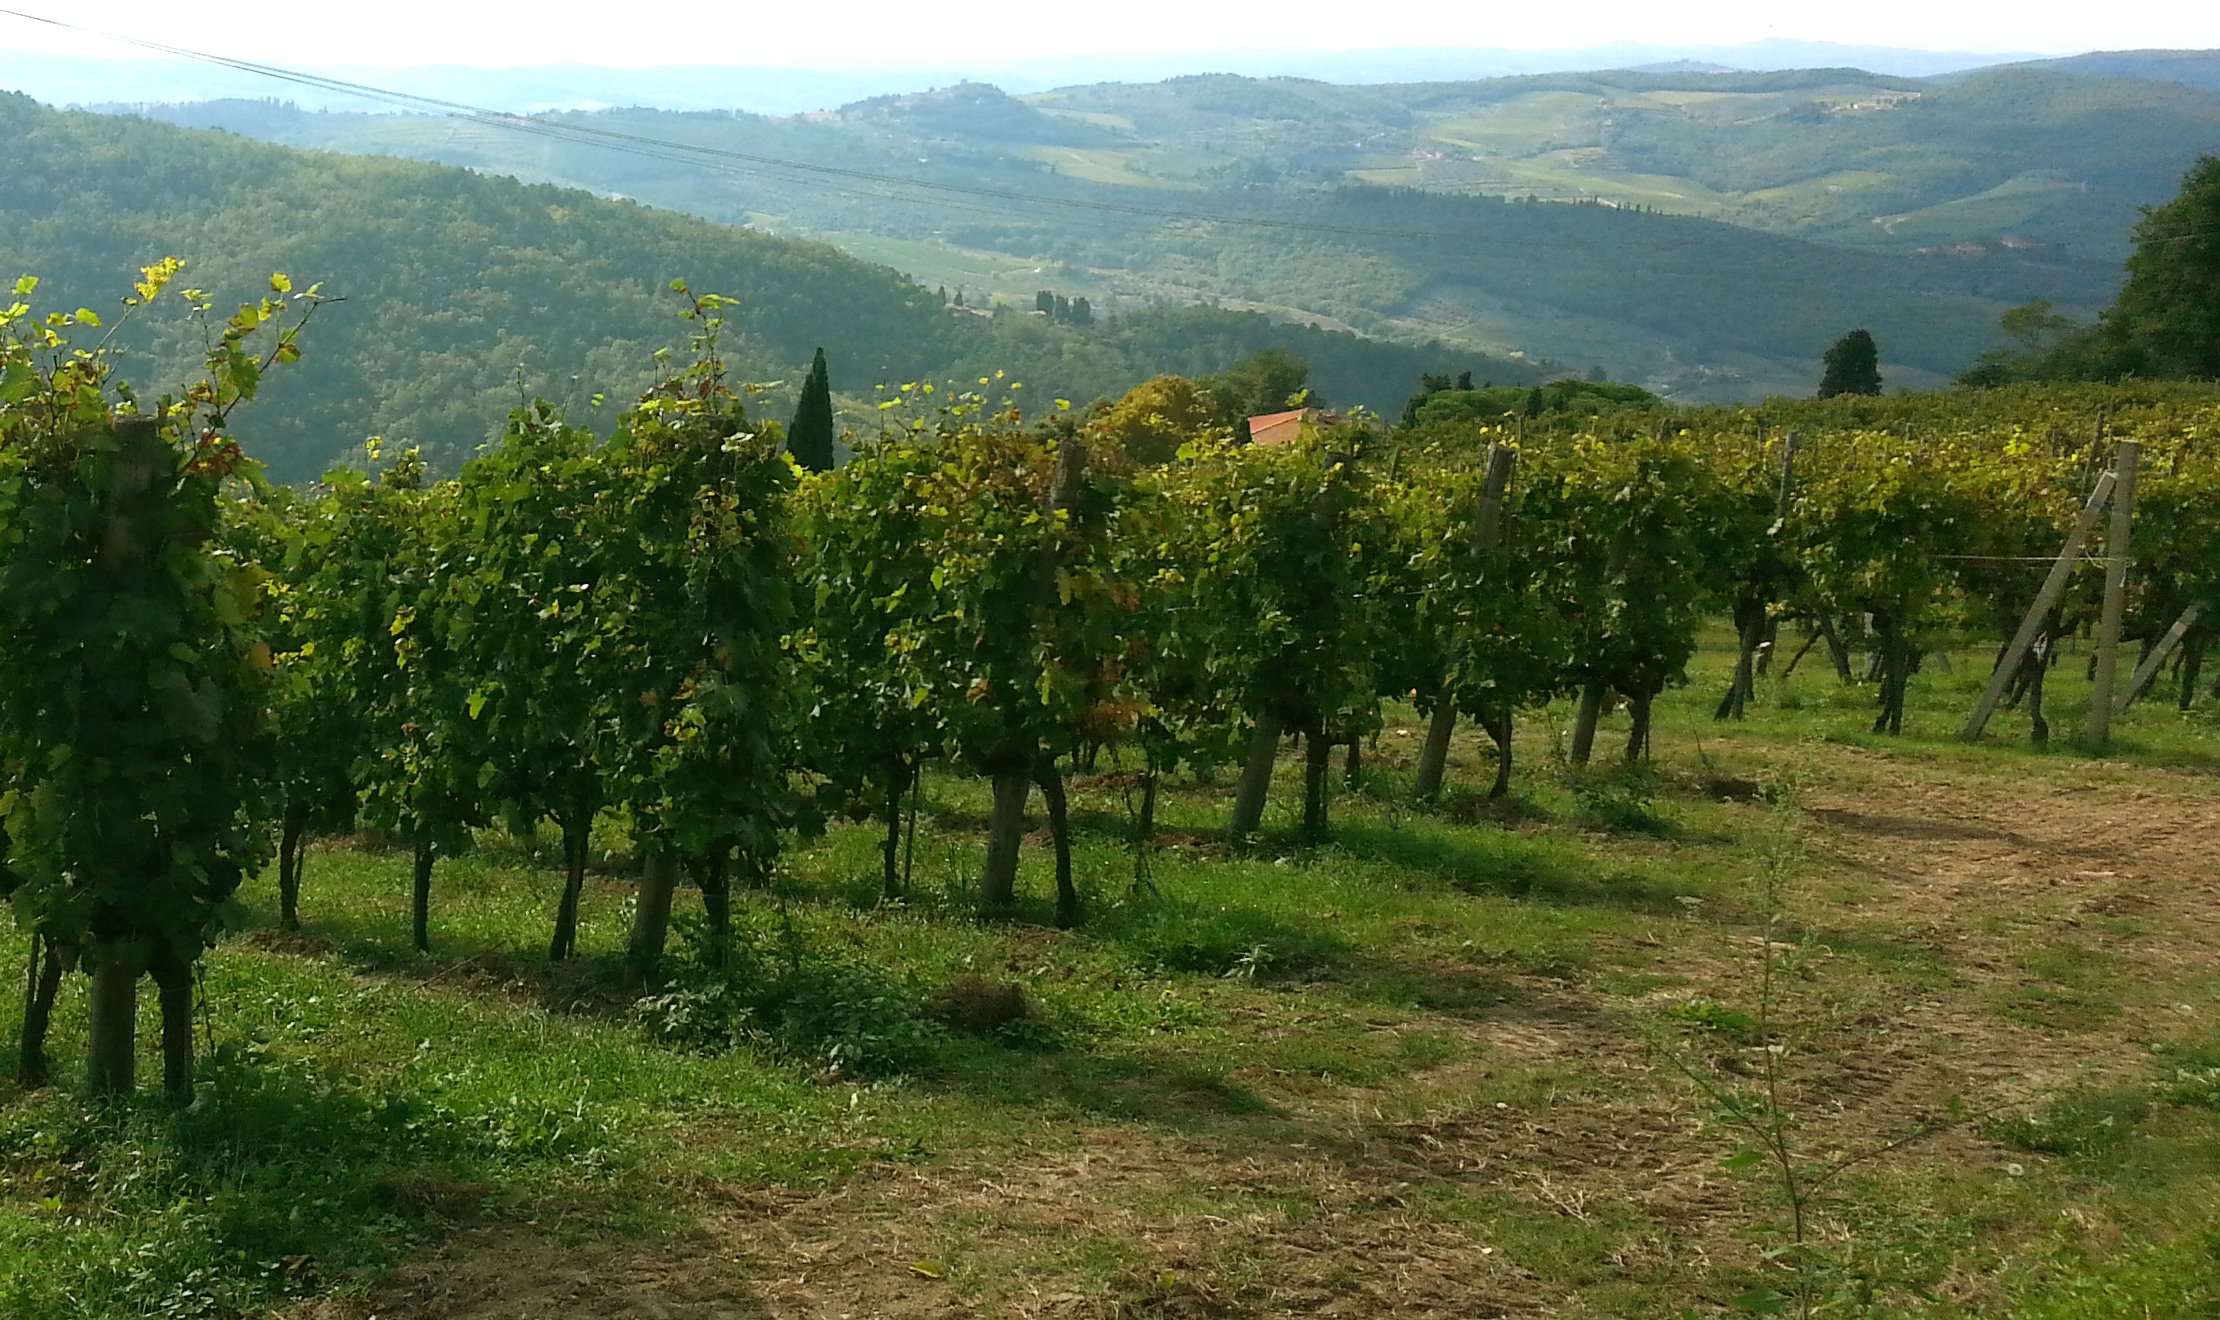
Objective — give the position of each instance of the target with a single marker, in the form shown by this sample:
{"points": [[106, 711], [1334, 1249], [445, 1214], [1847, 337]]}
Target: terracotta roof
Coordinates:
{"points": [[1280, 427]]}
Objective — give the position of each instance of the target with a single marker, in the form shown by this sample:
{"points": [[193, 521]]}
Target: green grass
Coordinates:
{"points": [[1450, 1027], [1096, 165]]}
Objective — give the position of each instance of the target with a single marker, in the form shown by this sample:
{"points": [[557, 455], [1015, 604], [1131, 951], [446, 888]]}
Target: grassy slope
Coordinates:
{"points": [[1428, 1070]]}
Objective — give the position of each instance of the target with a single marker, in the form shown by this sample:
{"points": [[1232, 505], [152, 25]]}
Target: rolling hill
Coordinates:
{"points": [[465, 293], [1788, 207], [82, 79], [1836, 154], [2191, 68], [1752, 216]]}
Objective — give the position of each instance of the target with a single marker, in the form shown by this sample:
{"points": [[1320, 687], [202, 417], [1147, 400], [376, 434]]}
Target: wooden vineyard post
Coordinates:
{"points": [[1013, 780], [1487, 532], [651, 920], [2046, 600], [1264, 737], [2148, 670], [1317, 747], [1063, 489], [1005, 833], [112, 1066], [2115, 594], [1590, 710], [1256, 777], [1754, 611], [132, 538], [45, 982], [1433, 758], [173, 980]]}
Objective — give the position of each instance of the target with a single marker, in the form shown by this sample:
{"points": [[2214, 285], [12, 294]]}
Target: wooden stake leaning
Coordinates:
{"points": [[2148, 670], [2116, 548], [2046, 600]]}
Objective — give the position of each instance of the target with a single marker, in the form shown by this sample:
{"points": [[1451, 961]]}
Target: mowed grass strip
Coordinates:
{"points": [[1440, 1066]]}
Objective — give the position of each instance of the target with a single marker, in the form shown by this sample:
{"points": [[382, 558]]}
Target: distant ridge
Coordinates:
{"points": [[2191, 68], [468, 292], [80, 81], [1715, 232], [1685, 66]]}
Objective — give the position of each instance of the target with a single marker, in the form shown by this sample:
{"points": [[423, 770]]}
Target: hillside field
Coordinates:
{"points": [[1444, 1066]]}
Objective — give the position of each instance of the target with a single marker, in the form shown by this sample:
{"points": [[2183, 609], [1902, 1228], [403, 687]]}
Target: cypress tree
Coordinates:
{"points": [[1853, 366], [810, 438]]}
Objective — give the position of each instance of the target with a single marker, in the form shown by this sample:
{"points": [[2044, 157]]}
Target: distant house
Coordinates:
{"points": [[1282, 427]]}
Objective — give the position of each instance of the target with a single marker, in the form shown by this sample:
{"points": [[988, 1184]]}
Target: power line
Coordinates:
{"points": [[827, 177], [863, 184]]}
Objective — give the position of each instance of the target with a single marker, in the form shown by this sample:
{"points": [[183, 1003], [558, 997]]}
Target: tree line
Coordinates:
{"points": [[2165, 323]]}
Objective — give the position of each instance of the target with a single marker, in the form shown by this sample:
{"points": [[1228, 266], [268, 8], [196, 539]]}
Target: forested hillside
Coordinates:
{"points": [[2194, 68], [1934, 203], [464, 292]]}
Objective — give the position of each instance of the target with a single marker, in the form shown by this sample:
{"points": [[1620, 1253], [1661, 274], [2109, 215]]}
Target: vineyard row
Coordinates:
{"points": [[672, 626]]}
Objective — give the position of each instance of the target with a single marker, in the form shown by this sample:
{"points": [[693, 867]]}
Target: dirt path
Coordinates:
{"points": [[1419, 1200]]}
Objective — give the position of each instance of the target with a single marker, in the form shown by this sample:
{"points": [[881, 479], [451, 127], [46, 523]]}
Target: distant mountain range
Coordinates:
{"points": [[1702, 231], [74, 80], [2191, 68], [1919, 208]]}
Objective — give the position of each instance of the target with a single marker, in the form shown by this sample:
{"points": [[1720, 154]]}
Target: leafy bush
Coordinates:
{"points": [[1621, 799], [819, 1007], [1229, 942]]}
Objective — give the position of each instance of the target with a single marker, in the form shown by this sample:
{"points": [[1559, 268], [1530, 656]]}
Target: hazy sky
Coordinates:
{"points": [[837, 33]]}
